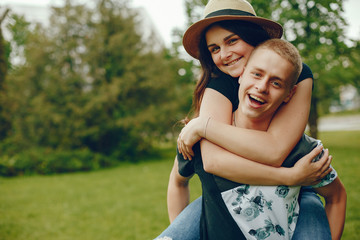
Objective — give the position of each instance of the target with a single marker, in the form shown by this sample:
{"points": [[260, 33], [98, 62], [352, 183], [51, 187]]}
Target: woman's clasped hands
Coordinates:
{"points": [[191, 134]]}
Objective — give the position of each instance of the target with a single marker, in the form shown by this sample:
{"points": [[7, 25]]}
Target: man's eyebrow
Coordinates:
{"points": [[257, 69], [261, 70]]}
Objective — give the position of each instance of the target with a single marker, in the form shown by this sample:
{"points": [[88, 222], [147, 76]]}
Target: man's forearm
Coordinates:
{"points": [[177, 199], [335, 206], [336, 219], [336, 215]]}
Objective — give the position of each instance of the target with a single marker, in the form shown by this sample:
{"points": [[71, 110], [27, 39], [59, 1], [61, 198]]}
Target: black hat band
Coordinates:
{"points": [[233, 12]]}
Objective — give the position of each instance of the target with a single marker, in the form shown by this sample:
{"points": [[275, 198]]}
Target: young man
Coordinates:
{"points": [[261, 212]]}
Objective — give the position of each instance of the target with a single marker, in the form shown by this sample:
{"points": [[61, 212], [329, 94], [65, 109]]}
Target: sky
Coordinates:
{"points": [[168, 14]]}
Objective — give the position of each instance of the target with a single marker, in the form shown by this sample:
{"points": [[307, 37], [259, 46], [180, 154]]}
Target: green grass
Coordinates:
{"points": [[345, 148], [129, 202]]}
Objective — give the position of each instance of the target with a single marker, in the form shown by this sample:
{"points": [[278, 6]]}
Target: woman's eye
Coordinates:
{"points": [[214, 49], [233, 40]]}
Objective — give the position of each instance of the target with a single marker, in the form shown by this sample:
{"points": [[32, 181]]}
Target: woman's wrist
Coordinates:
{"points": [[287, 176], [206, 127]]}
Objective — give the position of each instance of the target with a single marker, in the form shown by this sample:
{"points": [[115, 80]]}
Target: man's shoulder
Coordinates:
{"points": [[305, 145]]}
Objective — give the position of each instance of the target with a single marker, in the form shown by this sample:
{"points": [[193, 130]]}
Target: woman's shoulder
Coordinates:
{"points": [[305, 73], [222, 79], [226, 85]]}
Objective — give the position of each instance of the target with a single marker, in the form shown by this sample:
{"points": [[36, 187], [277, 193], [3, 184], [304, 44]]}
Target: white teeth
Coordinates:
{"points": [[257, 99], [233, 62]]}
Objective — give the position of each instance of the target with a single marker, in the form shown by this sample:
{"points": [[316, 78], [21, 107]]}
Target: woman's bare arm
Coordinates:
{"points": [[276, 143], [228, 165], [223, 163]]}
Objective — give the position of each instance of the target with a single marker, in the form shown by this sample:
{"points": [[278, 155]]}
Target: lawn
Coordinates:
{"points": [[129, 202]]}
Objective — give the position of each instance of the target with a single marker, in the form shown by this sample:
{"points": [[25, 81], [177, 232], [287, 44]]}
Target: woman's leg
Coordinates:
{"points": [[312, 222], [186, 225]]}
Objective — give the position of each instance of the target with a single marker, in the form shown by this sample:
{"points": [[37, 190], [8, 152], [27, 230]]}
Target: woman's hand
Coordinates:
{"points": [[306, 172], [191, 134]]}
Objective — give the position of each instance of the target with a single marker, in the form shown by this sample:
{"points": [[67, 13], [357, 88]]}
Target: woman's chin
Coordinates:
{"points": [[236, 72]]}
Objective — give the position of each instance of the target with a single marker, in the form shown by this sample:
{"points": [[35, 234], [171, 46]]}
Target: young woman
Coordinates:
{"points": [[227, 59]]}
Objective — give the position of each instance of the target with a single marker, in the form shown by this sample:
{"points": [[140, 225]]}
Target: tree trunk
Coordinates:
{"points": [[5, 124], [313, 117]]}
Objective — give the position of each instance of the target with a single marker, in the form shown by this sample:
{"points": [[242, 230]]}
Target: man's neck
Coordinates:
{"points": [[243, 121]]}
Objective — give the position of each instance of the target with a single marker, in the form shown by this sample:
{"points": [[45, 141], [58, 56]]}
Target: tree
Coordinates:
{"points": [[316, 28], [90, 80], [4, 107]]}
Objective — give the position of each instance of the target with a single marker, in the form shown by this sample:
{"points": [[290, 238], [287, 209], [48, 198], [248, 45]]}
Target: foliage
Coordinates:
{"points": [[317, 29], [47, 161], [4, 106], [130, 199], [89, 80]]}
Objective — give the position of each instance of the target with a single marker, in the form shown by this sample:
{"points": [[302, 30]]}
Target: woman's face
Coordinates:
{"points": [[228, 51]]}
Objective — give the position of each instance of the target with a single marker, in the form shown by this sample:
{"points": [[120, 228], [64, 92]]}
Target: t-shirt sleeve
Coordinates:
{"points": [[186, 167], [305, 73], [327, 179], [305, 145], [227, 86]]}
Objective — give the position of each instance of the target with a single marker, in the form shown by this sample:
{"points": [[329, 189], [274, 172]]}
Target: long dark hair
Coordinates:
{"points": [[251, 33]]}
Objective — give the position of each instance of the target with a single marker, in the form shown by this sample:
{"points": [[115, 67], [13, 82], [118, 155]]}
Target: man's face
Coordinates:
{"points": [[265, 84]]}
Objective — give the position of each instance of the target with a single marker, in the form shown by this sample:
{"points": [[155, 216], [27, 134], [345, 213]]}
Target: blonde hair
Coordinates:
{"points": [[287, 51]]}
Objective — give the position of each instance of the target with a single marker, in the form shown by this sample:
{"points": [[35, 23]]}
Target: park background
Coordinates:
{"points": [[90, 103]]}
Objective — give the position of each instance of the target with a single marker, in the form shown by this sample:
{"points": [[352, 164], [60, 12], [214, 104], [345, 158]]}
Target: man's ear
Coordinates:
{"points": [[291, 93]]}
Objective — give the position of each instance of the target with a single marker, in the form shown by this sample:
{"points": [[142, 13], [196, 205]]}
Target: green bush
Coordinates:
{"points": [[46, 161], [119, 143]]}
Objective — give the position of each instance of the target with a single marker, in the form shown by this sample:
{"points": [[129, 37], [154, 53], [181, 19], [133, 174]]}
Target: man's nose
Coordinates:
{"points": [[262, 85]]}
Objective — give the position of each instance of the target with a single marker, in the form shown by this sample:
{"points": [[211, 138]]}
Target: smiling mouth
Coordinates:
{"points": [[256, 99], [233, 62]]}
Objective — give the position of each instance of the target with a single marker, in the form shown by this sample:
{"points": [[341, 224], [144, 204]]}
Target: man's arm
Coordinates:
{"points": [[335, 206], [178, 193]]}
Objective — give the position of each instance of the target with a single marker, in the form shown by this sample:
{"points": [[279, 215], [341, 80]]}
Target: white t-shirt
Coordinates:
{"points": [[267, 212]]}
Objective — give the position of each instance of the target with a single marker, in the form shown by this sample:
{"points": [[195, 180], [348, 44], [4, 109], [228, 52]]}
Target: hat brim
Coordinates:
{"points": [[191, 38]]}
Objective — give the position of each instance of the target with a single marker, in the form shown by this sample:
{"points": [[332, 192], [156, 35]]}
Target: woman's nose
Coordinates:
{"points": [[225, 53]]}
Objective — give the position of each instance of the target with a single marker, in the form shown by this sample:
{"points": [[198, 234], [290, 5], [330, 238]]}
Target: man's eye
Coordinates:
{"points": [[256, 74], [276, 84]]}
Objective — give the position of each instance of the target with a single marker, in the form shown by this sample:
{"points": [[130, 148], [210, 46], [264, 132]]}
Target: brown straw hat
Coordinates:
{"points": [[219, 10]]}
